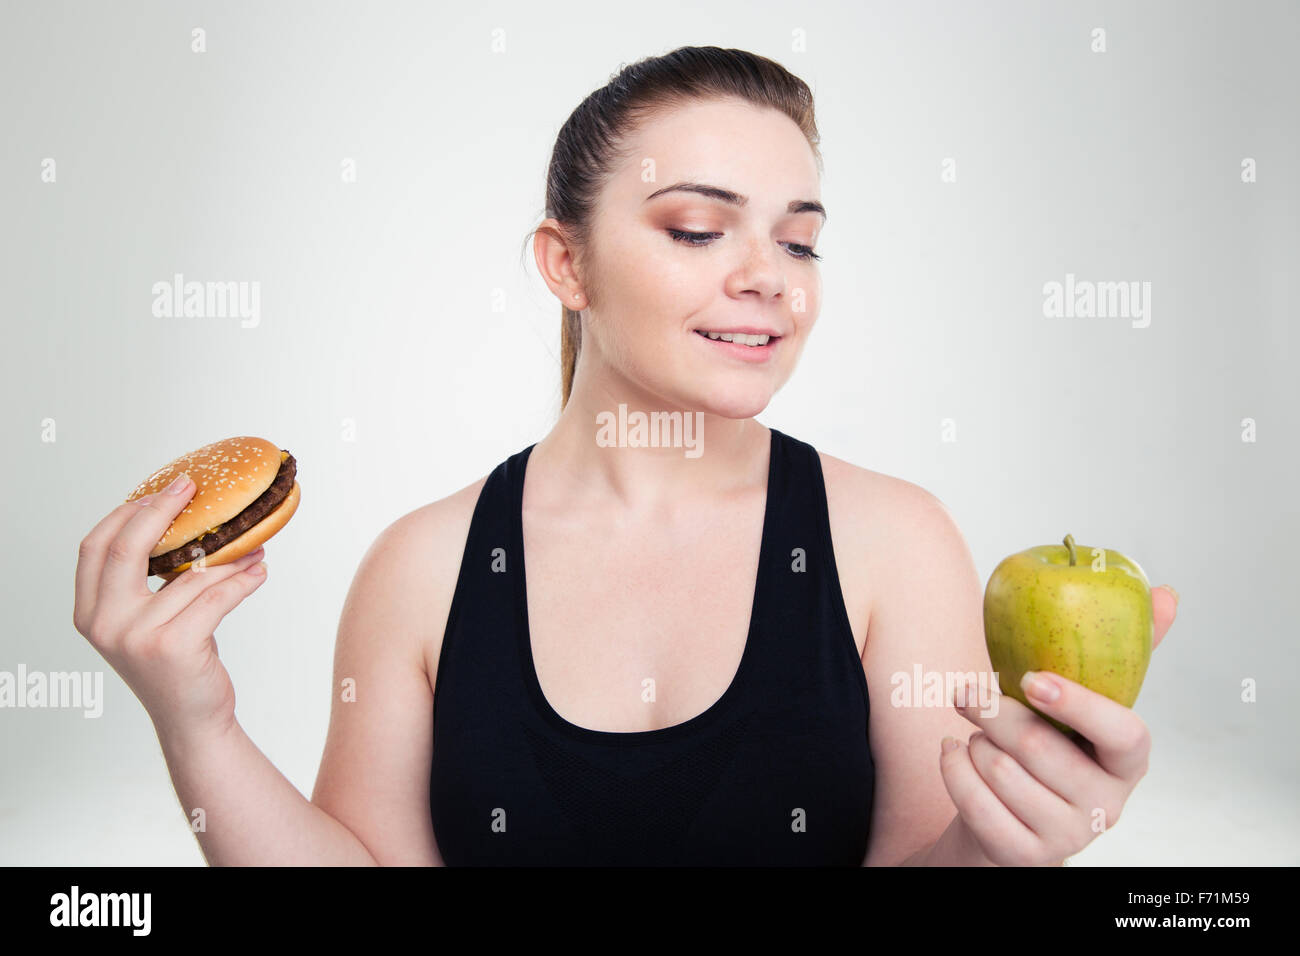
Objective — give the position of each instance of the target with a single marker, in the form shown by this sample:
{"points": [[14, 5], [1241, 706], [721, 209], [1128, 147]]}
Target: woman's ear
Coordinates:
{"points": [[555, 263]]}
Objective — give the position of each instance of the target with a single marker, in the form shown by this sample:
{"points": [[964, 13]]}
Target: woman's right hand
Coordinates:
{"points": [[161, 643]]}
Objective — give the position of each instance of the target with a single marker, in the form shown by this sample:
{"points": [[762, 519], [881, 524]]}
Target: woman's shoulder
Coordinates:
{"points": [[880, 511], [874, 520], [424, 530], [416, 558], [867, 499]]}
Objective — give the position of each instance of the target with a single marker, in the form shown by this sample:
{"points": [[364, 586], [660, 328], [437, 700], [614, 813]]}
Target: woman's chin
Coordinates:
{"points": [[735, 403]]}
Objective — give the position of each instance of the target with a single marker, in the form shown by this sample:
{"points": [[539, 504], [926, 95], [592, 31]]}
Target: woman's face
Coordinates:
{"points": [[658, 290]]}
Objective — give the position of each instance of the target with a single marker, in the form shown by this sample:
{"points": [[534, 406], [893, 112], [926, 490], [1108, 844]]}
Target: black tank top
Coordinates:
{"points": [[778, 771]]}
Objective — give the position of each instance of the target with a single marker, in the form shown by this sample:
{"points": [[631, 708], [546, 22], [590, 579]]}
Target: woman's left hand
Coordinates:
{"points": [[1028, 794]]}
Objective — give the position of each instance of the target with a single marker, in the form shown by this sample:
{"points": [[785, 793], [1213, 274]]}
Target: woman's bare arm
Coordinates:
{"points": [[927, 611], [251, 814], [371, 772], [374, 773], [371, 800]]}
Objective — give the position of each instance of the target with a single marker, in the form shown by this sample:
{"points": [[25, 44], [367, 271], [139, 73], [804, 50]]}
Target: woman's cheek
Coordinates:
{"points": [[806, 309]]}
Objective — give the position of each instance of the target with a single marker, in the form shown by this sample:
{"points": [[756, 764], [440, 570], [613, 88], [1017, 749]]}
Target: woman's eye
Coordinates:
{"points": [[803, 252], [704, 238], [693, 238]]}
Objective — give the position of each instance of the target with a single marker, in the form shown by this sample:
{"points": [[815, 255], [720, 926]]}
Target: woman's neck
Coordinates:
{"points": [[643, 453]]}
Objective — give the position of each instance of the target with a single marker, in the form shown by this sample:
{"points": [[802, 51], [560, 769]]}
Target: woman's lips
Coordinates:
{"points": [[746, 353]]}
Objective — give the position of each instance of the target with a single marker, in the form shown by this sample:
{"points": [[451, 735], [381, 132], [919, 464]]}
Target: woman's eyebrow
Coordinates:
{"points": [[736, 199]]}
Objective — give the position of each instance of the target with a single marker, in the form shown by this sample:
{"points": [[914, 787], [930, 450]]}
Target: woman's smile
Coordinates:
{"points": [[747, 348]]}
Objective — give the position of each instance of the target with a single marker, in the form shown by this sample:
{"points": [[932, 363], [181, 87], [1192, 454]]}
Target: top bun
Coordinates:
{"points": [[228, 475]]}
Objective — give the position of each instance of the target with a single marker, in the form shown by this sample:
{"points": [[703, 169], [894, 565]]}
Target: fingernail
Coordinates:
{"points": [[1039, 687], [1170, 589], [258, 569], [145, 500], [178, 485], [948, 744]]}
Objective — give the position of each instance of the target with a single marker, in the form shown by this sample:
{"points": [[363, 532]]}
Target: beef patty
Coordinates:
{"points": [[210, 542]]}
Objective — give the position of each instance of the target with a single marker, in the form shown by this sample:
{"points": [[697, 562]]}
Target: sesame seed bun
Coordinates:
{"points": [[229, 476], [251, 539]]}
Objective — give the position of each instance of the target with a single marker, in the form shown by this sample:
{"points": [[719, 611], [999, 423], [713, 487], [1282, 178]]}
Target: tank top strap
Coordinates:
{"points": [[804, 632], [483, 599], [808, 498]]}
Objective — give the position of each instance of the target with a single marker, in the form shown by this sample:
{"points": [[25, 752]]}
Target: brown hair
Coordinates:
{"points": [[591, 141]]}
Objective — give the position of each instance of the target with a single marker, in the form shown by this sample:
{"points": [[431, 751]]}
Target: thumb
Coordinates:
{"points": [[1164, 607]]}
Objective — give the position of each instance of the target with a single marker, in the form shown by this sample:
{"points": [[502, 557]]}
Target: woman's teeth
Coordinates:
{"points": [[738, 337]]}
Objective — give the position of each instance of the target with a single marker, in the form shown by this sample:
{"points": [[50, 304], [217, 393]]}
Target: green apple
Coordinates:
{"points": [[1084, 613]]}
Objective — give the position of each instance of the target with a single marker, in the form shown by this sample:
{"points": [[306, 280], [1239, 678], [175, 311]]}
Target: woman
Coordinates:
{"points": [[676, 668]]}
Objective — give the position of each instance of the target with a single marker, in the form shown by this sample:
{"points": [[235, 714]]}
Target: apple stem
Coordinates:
{"points": [[1069, 544]]}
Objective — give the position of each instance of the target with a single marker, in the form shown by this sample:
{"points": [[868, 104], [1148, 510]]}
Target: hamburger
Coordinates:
{"points": [[245, 490]]}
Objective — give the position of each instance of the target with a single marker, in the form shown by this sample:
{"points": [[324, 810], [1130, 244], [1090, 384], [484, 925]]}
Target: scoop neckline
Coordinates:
{"points": [[634, 737]]}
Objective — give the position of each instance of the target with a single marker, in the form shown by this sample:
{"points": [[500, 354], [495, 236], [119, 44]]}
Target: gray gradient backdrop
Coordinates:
{"points": [[399, 304]]}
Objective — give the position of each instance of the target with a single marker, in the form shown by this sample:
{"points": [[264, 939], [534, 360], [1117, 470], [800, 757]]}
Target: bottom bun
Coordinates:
{"points": [[250, 540]]}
